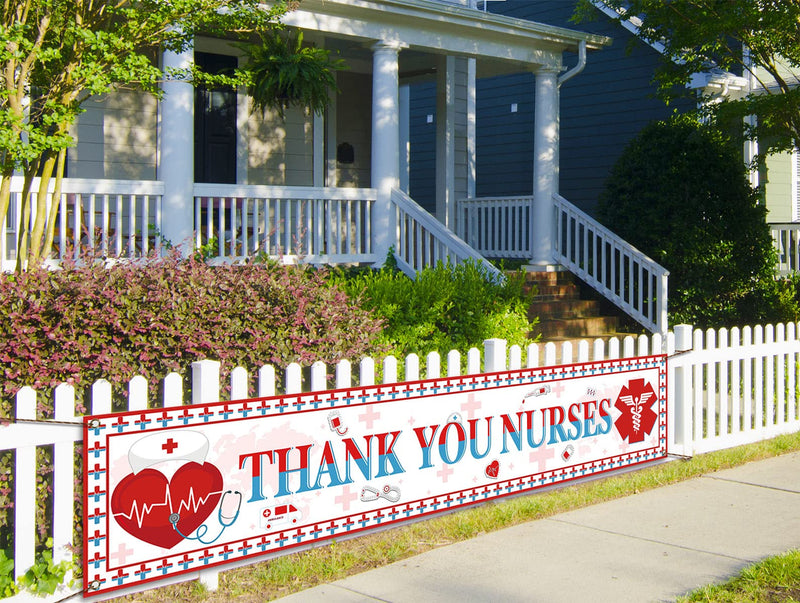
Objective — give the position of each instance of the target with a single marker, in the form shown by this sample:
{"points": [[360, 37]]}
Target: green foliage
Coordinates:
{"points": [[44, 577], [679, 193], [7, 586], [444, 308], [283, 72], [700, 35]]}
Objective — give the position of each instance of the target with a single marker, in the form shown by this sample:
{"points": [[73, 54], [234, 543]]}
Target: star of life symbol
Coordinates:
{"points": [[635, 402]]}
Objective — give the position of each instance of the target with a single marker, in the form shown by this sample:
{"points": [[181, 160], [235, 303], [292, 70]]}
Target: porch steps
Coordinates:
{"points": [[569, 310]]}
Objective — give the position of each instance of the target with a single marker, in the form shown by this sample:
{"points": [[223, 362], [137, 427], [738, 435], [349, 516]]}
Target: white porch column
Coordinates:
{"points": [[445, 140], [545, 167], [176, 167], [385, 167], [405, 136]]}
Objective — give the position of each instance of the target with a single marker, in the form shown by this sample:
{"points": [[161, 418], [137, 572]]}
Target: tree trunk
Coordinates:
{"points": [[54, 206], [25, 217], [40, 220]]}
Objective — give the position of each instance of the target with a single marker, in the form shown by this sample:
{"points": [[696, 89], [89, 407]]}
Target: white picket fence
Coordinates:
{"points": [[725, 388]]}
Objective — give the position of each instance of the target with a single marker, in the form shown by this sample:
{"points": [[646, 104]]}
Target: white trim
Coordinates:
{"points": [[633, 24], [795, 185]]}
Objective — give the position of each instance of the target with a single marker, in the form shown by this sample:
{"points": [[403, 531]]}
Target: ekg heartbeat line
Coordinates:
{"points": [[192, 503]]}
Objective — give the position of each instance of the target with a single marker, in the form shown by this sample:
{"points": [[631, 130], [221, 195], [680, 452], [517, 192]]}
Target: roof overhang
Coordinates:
{"points": [[439, 27]]}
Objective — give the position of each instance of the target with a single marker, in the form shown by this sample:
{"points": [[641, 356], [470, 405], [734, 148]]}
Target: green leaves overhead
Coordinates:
{"points": [[754, 39]]}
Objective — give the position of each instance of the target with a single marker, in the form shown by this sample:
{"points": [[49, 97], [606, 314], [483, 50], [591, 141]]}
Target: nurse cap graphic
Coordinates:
{"points": [[164, 511]]}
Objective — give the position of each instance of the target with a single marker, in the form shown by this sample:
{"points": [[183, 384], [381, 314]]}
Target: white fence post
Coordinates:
{"points": [[473, 361], [344, 374], [239, 386], [494, 355], [63, 477], [173, 390], [412, 368], [389, 370], [25, 490], [453, 363], [319, 376], [433, 366], [294, 378], [205, 381], [266, 381], [205, 389], [681, 393]]}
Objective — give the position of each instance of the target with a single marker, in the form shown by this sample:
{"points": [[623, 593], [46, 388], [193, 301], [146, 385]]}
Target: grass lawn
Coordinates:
{"points": [[777, 579], [770, 581]]}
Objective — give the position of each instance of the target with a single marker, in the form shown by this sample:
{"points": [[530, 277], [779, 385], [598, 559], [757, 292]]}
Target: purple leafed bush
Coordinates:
{"points": [[80, 324]]}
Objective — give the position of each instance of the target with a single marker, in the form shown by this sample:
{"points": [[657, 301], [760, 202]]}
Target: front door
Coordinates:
{"points": [[215, 124]]}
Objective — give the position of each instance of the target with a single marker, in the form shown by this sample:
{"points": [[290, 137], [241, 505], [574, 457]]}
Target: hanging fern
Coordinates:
{"points": [[282, 72]]}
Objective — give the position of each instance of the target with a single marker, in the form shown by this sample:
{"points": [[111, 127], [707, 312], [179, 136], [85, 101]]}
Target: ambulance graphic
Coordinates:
{"points": [[280, 515]]}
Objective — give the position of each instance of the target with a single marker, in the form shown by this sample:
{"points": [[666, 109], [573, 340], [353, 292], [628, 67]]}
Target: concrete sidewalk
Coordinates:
{"points": [[652, 546]]}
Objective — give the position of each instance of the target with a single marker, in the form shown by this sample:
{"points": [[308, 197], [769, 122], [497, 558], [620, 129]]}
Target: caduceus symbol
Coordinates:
{"points": [[635, 403]]}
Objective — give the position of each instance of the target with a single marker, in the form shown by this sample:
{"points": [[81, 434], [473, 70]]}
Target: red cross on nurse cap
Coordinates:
{"points": [[170, 445]]}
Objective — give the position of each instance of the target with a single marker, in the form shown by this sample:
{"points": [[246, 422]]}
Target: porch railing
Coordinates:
{"points": [[499, 227], [315, 225], [120, 218], [786, 237], [423, 241], [616, 269], [496, 227]]}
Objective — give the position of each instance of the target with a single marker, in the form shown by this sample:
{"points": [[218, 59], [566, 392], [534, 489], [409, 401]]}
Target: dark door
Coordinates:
{"points": [[215, 124]]}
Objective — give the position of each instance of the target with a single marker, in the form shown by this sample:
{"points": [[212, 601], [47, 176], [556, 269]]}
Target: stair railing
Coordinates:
{"points": [[786, 238], [613, 267], [423, 241]]}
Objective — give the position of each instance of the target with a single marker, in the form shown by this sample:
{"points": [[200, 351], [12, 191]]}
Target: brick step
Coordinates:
{"points": [[580, 328], [563, 308], [549, 278], [556, 292]]}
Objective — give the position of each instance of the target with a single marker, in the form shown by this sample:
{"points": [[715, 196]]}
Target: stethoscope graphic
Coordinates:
{"points": [[225, 521]]}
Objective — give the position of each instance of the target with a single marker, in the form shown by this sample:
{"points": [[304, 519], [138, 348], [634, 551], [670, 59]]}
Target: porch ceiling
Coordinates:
{"points": [[502, 44]]}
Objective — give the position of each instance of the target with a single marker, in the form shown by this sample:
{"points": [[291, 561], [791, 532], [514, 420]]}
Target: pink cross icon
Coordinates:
{"points": [[345, 498]]}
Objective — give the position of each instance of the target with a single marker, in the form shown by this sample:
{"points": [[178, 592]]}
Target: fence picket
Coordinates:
{"points": [[367, 372], [389, 370], [433, 366], [769, 377], [453, 363], [735, 381], [344, 374], [758, 370], [25, 490], [473, 361], [319, 376], [173, 390], [63, 477], [294, 378], [239, 388], [412, 368], [266, 381]]}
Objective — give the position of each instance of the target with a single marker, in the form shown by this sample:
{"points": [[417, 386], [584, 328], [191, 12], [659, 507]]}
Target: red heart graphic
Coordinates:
{"points": [[142, 503], [493, 469]]}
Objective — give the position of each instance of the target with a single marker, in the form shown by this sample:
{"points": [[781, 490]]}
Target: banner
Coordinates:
{"points": [[180, 489]]}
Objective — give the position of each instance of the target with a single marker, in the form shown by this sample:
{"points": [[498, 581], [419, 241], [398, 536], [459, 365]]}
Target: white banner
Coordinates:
{"points": [[179, 489]]}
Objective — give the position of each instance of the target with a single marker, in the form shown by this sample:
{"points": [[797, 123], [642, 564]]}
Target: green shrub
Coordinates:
{"points": [[679, 193], [444, 308]]}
